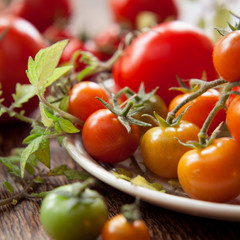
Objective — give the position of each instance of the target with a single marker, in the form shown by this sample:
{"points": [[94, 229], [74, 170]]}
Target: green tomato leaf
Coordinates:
{"points": [[28, 151], [64, 104], [38, 180], [41, 69], [43, 152], [58, 170], [23, 94], [67, 126], [73, 174], [57, 73], [8, 186], [47, 122], [10, 162]]}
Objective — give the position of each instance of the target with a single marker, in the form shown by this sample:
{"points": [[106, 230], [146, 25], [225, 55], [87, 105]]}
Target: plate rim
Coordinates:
{"points": [[220, 211]]}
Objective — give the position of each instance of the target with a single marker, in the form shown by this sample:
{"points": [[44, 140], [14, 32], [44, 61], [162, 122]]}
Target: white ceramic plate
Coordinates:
{"points": [[226, 211]]}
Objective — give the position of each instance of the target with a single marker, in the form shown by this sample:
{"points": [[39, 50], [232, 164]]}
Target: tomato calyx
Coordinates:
{"points": [[131, 211], [125, 114]]}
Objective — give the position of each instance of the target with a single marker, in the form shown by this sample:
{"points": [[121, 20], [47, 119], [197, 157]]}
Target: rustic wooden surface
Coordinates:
{"points": [[22, 220]]}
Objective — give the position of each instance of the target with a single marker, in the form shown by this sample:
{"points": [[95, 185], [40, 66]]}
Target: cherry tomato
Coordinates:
{"points": [[161, 150], [83, 101], [118, 228], [20, 39], [42, 13], [200, 108], [233, 118], [226, 56], [232, 96], [106, 139], [66, 216], [126, 12], [107, 41], [157, 56], [55, 33], [73, 45], [212, 173]]}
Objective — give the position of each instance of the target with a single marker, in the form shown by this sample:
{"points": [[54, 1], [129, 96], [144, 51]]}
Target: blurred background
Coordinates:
{"points": [[93, 16]]}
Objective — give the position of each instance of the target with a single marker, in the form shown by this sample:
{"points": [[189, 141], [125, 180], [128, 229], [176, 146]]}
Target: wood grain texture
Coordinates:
{"points": [[22, 220]]}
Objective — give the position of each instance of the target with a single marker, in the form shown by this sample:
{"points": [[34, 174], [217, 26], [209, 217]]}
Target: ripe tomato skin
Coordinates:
{"points": [[232, 96], [212, 173], [200, 108], [84, 221], [128, 10], [156, 57], [106, 139], [15, 48], [161, 151], [226, 56], [42, 13], [233, 118], [83, 101], [118, 228]]}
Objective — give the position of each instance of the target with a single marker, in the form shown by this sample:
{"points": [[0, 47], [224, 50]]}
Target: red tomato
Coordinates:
{"points": [[83, 101], [42, 13], [108, 40], [118, 228], [200, 108], [212, 173], [226, 56], [106, 139], [233, 118], [157, 56], [232, 96], [22, 40], [73, 45], [127, 11], [55, 33]]}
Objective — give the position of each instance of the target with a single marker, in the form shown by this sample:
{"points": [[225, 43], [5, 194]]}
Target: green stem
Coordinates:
{"points": [[126, 109], [59, 111], [218, 106], [205, 86], [18, 196], [17, 115]]}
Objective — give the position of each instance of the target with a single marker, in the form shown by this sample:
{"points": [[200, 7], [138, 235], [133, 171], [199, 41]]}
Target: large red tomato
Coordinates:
{"points": [[42, 13], [20, 39], [157, 56], [127, 11]]}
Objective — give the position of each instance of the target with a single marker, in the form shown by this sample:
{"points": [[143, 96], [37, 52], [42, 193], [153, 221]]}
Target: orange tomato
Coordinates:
{"points": [[226, 56], [200, 108], [118, 228], [233, 118], [212, 173], [161, 150]]}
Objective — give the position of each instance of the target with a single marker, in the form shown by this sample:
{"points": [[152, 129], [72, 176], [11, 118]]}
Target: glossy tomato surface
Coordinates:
{"points": [[118, 228], [157, 56], [83, 99], [106, 139], [226, 56], [42, 13], [127, 11], [200, 108], [67, 216], [20, 40], [161, 150], [233, 118], [212, 173]]}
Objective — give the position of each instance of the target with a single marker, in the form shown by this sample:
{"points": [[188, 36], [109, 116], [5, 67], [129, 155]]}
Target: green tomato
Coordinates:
{"points": [[66, 214]]}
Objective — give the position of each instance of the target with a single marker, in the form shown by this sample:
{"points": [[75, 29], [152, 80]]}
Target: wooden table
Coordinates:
{"points": [[22, 220]]}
